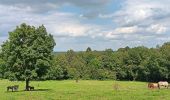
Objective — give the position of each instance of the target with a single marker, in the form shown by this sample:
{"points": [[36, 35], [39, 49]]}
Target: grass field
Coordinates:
{"points": [[84, 90]]}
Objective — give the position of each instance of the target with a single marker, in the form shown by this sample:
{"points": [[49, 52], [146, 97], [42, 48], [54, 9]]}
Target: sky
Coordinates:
{"points": [[99, 24]]}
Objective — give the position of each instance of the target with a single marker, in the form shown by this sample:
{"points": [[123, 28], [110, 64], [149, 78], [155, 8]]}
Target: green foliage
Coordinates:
{"points": [[55, 73], [27, 52], [138, 63], [2, 68]]}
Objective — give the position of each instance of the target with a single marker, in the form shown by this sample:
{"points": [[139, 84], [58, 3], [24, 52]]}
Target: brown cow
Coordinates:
{"points": [[153, 85]]}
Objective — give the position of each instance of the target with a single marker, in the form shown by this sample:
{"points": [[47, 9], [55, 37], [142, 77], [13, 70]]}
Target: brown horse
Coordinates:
{"points": [[153, 85]]}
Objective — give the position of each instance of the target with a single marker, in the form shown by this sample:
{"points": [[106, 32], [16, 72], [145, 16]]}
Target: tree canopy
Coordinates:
{"points": [[27, 53]]}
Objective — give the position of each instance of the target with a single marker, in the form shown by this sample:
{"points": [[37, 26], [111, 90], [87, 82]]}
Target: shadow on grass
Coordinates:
{"points": [[35, 90], [41, 90]]}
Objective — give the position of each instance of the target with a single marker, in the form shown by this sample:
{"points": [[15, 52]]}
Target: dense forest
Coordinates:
{"points": [[138, 63]]}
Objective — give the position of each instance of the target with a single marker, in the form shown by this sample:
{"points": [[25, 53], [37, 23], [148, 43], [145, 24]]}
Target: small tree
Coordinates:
{"points": [[88, 49], [76, 67], [28, 52]]}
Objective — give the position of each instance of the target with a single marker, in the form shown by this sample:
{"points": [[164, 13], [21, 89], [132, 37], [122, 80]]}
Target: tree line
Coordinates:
{"points": [[28, 55], [135, 64]]}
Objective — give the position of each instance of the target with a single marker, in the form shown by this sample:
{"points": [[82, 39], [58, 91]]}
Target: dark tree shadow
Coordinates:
{"points": [[11, 91], [41, 90], [29, 90]]}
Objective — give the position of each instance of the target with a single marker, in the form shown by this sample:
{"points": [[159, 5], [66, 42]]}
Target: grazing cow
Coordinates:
{"points": [[10, 87], [152, 85], [163, 84], [31, 88], [13, 88]]}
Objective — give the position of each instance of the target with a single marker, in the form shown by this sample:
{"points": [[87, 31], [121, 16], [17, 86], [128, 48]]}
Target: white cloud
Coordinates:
{"points": [[157, 28], [110, 35], [57, 23], [48, 5], [127, 30], [142, 9], [140, 20], [121, 32], [140, 12], [135, 22], [70, 29]]}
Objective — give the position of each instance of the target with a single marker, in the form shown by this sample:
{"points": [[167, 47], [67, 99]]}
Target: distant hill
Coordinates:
{"points": [[63, 52], [58, 53]]}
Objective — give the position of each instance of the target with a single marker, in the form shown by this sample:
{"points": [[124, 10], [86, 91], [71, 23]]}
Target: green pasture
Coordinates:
{"points": [[83, 90]]}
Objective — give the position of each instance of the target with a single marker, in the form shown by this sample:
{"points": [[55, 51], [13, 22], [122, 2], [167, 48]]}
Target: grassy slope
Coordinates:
{"points": [[84, 90]]}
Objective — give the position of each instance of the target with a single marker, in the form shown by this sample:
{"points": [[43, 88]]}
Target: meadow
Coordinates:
{"points": [[83, 90]]}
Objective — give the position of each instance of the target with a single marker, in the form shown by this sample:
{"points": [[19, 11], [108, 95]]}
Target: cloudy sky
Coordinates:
{"points": [[99, 24]]}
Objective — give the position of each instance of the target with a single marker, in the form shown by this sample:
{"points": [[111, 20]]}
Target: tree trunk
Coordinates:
{"points": [[27, 84], [77, 80]]}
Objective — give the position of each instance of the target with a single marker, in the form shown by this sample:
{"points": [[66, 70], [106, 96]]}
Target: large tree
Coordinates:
{"points": [[28, 53]]}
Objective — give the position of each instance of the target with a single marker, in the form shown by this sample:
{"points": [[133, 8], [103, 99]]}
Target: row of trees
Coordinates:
{"points": [[138, 63]]}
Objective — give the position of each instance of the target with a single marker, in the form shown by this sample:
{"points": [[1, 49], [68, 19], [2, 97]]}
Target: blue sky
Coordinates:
{"points": [[99, 24]]}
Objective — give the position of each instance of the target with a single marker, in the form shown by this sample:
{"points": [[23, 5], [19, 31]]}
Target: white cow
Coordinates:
{"points": [[163, 83]]}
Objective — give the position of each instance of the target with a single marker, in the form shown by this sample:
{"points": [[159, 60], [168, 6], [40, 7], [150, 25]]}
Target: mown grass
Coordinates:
{"points": [[83, 90]]}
